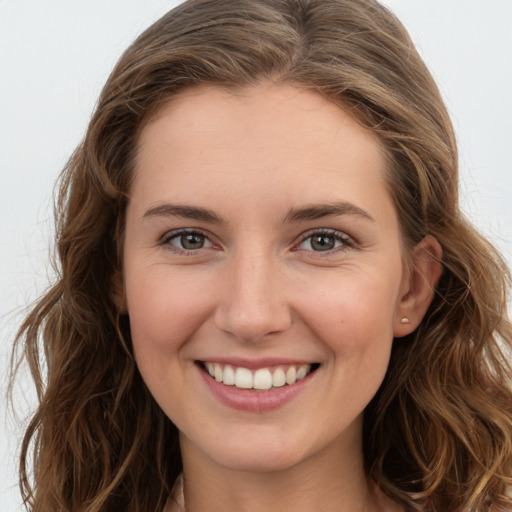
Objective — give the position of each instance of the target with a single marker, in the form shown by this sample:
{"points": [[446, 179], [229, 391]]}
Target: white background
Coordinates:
{"points": [[55, 55]]}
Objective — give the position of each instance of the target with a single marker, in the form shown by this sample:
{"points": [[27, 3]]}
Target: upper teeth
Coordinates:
{"points": [[263, 378]]}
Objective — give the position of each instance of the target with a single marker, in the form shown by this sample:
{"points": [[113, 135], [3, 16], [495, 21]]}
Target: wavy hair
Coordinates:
{"points": [[438, 434]]}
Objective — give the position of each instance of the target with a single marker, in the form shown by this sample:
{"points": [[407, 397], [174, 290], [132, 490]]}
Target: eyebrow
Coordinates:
{"points": [[184, 211], [310, 212], [318, 211]]}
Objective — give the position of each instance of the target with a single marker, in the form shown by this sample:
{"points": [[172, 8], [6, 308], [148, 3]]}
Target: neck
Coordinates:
{"points": [[324, 481]]}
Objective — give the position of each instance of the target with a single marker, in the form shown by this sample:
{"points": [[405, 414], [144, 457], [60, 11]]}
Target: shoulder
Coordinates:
{"points": [[176, 501]]}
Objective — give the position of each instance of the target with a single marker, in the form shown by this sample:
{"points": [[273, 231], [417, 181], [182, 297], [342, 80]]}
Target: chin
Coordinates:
{"points": [[254, 453], [258, 461]]}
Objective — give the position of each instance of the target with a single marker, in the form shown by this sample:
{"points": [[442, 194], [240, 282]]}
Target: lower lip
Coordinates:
{"points": [[252, 400]]}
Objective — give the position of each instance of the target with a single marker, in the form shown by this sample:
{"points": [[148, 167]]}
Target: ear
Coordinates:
{"points": [[418, 286], [117, 293]]}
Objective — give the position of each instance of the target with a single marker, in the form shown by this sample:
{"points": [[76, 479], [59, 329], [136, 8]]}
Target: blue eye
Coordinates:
{"points": [[188, 241], [323, 241]]}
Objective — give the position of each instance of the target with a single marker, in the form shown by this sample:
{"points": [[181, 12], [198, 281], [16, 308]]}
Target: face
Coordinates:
{"points": [[263, 273]]}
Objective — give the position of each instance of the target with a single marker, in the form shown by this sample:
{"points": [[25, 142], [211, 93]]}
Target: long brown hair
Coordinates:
{"points": [[438, 435]]}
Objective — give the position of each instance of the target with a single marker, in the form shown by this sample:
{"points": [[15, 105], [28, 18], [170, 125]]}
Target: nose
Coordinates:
{"points": [[253, 305]]}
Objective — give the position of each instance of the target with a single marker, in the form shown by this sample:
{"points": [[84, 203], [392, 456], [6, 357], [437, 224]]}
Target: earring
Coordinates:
{"points": [[405, 320]]}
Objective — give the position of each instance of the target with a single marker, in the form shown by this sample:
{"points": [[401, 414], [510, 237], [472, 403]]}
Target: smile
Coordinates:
{"points": [[261, 379]]}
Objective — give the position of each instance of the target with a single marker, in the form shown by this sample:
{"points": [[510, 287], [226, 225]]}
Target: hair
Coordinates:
{"points": [[438, 434]]}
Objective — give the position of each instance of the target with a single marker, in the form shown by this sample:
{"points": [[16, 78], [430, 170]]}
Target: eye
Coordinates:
{"points": [[187, 240], [325, 240]]}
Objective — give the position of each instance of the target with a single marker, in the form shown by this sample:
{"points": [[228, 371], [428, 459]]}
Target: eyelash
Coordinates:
{"points": [[346, 241], [173, 235]]}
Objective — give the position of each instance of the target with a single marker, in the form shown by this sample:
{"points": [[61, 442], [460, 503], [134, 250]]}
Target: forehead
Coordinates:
{"points": [[271, 104], [265, 119], [261, 150]]}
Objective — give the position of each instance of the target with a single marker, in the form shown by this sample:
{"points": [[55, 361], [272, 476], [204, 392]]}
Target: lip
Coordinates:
{"points": [[252, 400], [255, 364]]}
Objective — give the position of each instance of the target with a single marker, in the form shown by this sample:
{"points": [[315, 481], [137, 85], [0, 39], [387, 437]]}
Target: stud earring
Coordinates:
{"points": [[405, 320]]}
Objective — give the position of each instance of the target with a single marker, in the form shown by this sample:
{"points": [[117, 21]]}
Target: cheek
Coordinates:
{"points": [[164, 310], [352, 309]]}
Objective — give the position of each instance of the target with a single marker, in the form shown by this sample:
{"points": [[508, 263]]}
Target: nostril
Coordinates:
{"points": [[252, 313]]}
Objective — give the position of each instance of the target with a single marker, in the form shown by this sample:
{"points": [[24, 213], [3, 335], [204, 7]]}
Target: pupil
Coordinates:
{"points": [[192, 241], [322, 243]]}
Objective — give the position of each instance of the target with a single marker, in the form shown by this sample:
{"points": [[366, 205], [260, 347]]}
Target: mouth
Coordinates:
{"points": [[260, 379]]}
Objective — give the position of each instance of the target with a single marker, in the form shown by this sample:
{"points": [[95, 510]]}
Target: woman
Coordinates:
{"points": [[269, 298]]}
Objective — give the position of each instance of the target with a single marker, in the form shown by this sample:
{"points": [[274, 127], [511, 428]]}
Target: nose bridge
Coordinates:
{"points": [[254, 303]]}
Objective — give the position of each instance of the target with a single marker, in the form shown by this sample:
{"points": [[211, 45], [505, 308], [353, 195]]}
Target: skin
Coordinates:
{"points": [[257, 289]]}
